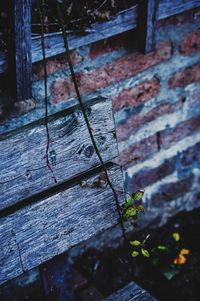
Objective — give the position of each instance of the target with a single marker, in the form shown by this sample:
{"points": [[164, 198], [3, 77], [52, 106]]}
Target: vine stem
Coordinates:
{"points": [[41, 15], [81, 103]]}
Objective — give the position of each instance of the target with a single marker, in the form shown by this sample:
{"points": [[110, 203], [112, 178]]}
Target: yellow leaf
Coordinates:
{"points": [[184, 252], [135, 253], [145, 253], [180, 259], [176, 236], [135, 243]]}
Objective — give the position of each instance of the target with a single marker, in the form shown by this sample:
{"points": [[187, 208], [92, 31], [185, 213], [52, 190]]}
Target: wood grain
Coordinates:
{"points": [[24, 171], [49, 227], [131, 292]]}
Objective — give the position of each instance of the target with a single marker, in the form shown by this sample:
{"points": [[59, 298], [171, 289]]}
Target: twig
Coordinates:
{"points": [[41, 14], [86, 118], [101, 5]]}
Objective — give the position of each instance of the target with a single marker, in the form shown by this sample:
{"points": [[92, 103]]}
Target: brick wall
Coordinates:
{"points": [[156, 99]]}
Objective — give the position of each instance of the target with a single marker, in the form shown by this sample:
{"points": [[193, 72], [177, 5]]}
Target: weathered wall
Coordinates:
{"points": [[156, 100]]}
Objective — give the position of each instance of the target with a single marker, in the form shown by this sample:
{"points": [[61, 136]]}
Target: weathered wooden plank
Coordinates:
{"points": [[126, 20], [57, 279], [147, 23], [10, 261], [42, 230], [167, 8], [24, 170], [54, 42], [19, 49], [131, 292]]}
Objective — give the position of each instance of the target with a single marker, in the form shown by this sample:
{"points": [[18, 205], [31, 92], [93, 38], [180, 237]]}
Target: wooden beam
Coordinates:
{"points": [[42, 230], [19, 49], [71, 153], [146, 27], [57, 279]]}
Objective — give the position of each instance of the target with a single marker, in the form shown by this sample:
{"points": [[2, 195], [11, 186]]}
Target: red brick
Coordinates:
{"points": [[178, 20], [185, 77], [110, 44], [133, 124], [171, 191], [149, 146], [55, 64], [183, 129], [190, 156], [148, 176], [62, 89], [139, 151], [137, 94], [191, 43], [111, 73]]}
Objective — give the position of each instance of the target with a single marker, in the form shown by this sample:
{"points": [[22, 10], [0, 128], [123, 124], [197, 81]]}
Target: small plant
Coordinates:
{"points": [[131, 209], [133, 206]]}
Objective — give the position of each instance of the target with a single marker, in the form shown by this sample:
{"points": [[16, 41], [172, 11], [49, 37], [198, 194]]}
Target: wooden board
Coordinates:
{"points": [[126, 20], [44, 229], [19, 49], [147, 23], [131, 292], [24, 170]]}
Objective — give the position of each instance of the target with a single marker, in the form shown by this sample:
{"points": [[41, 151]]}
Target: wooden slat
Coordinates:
{"points": [[24, 171], [125, 21], [131, 292], [167, 8], [19, 49], [147, 23], [42, 230]]}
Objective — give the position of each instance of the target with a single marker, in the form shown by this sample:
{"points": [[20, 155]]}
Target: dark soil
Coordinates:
{"points": [[114, 268]]}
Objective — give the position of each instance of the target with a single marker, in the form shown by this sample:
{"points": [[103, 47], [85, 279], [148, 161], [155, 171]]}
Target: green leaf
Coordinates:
{"points": [[170, 274], [176, 236], [141, 208], [130, 213], [145, 253], [138, 195], [134, 254], [162, 248], [135, 243], [129, 201]]}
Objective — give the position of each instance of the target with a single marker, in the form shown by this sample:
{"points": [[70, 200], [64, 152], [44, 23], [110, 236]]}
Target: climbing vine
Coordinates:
{"points": [[41, 10], [132, 206], [81, 103]]}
